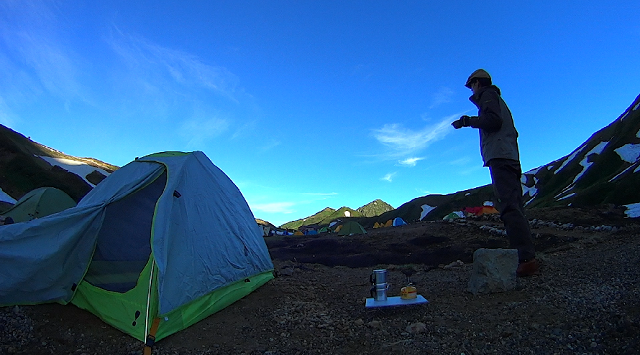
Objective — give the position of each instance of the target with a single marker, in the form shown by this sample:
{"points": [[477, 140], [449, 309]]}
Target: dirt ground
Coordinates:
{"points": [[585, 300]]}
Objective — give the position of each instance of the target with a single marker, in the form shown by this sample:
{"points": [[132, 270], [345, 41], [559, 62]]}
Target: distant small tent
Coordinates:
{"points": [[389, 223], [471, 211], [351, 228], [38, 203], [377, 225], [309, 229], [324, 230], [338, 228], [266, 230], [488, 210], [399, 222], [454, 215], [480, 210], [298, 233]]}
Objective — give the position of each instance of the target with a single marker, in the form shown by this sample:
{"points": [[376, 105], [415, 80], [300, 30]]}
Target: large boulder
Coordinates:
{"points": [[494, 270]]}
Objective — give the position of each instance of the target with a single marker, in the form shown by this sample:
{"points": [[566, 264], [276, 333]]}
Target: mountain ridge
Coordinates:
{"points": [[23, 168], [602, 170], [328, 214]]}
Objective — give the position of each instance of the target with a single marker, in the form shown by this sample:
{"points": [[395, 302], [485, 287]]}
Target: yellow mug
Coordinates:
{"points": [[408, 293]]}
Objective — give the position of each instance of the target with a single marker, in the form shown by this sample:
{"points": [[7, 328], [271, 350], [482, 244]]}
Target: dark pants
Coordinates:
{"points": [[505, 177]]}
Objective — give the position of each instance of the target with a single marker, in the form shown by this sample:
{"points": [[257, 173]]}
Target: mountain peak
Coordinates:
{"points": [[375, 208]]}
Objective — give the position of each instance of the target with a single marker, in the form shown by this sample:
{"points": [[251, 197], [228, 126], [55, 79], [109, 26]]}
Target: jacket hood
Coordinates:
{"points": [[474, 98]]}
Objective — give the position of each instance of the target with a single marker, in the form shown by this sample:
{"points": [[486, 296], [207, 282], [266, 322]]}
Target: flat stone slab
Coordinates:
{"points": [[394, 301]]}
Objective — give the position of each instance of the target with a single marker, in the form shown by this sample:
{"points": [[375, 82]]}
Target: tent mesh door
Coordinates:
{"points": [[124, 241]]}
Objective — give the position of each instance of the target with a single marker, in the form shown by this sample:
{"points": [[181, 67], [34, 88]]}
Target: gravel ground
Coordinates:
{"points": [[586, 300]]}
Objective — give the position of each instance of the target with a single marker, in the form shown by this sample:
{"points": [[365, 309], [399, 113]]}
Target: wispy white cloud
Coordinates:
{"points": [[274, 207], [411, 162], [402, 142], [320, 193], [270, 145], [5, 114], [199, 130], [36, 54], [442, 96], [244, 129], [461, 161], [52, 64], [465, 166], [388, 177], [469, 171], [149, 59], [291, 204]]}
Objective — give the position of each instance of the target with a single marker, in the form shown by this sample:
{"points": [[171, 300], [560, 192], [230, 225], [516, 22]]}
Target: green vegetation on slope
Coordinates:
{"points": [[323, 217], [375, 208]]}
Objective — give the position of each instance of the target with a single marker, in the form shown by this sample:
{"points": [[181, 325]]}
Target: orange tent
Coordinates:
{"points": [[487, 210]]}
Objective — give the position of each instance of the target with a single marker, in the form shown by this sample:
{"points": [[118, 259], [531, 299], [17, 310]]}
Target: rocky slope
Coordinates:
{"points": [[586, 300], [24, 166]]}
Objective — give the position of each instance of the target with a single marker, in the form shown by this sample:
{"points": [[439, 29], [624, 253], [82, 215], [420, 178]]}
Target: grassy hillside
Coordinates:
{"points": [[375, 208], [323, 217], [444, 204], [594, 173]]}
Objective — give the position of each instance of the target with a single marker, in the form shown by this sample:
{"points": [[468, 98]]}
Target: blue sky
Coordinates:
{"points": [[313, 104]]}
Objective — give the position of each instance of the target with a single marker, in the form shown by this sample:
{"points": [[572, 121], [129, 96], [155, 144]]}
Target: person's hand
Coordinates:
{"points": [[461, 122]]}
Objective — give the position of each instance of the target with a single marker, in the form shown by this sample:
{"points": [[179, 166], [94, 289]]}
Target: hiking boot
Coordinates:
{"points": [[528, 268]]}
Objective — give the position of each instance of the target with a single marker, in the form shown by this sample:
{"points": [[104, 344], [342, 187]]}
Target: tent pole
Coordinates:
{"points": [[146, 318]]}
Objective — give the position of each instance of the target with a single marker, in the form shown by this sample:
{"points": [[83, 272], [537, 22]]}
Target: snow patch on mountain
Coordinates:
{"points": [[629, 152], [6, 198], [585, 162], [74, 166], [533, 171], [633, 210], [624, 116], [570, 158], [569, 195], [637, 167], [425, 211], [531, 191]]}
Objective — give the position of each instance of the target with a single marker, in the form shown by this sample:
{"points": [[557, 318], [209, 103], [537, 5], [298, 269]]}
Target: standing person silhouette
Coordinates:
{"points": [[499, 149]]}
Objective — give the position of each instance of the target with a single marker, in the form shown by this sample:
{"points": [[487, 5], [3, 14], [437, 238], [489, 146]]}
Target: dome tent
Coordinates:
{"points": [[398, 222], [160, 244], [38, 203], [454, 215], [350, 228]]}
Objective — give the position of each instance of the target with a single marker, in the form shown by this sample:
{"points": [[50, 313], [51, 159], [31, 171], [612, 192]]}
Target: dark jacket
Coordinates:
{"points": [[498, 135]]}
